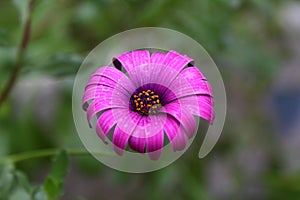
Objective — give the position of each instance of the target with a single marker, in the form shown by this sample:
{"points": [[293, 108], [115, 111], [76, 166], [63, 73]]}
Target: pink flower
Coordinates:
{"points": [[155, 97]]}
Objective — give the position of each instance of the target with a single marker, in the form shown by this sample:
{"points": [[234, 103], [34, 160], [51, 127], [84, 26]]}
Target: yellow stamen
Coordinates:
{"points": [[146, 102]]}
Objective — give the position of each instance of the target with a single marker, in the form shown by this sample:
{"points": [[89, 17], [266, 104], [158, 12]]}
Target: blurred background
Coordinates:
{"points": [[255, 44]]}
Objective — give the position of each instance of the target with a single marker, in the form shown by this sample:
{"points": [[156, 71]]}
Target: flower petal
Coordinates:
{"points": [[165, 67], [124, 60], [160, 68], [157, 58], [115, 75], [192, 73], [130, 60], [176, 61], [137, 141], [90, 94], [106, 121], [97, 106], [120, 139], [96, 81], [153, 75], [140, 57], [200, 105], [155, 145], [101, 80], [182, 115], [175, 133], [189, 82], [197, 81], [108, 72], [146, 135], [137, 144], [103, 93], [124, 130]]}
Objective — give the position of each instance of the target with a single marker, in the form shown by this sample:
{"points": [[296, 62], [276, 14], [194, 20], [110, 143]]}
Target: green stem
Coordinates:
{"points": [[45, 153]]}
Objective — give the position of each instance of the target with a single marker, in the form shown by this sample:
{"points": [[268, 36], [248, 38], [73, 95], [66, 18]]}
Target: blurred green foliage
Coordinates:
{"points": [[14, 184], [241, 37]]}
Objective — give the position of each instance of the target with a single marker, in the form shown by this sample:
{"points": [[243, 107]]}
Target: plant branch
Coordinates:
{"points": [[19, 60], [45, 153]]}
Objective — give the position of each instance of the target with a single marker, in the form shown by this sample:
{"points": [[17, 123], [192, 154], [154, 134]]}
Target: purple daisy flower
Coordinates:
{"points": [[147, 99]]}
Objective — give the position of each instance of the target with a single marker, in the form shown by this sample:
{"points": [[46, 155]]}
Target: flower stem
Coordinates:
{"points": [[19, 60], [45, 153]]}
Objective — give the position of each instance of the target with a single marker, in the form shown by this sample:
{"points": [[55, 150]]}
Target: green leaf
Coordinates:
{"points": [[22, 6], [4, 141], [59, 165], [23, 181], [62, 65], [6, 181], [53, 185], [5, 39], [39, 194], [20, 194]]}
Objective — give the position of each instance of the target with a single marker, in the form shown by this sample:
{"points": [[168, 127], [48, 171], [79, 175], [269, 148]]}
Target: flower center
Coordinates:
{"points": [[146, 102]]}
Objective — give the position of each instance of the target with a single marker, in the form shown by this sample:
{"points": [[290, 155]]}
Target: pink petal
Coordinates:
{"points": [[140, 57], [146, 134], [199, 105], [157, 58], [109, 72], [89, 94], [137, 140], [130, 60], [124, 130], [155, 145], [192, 73], [103, 93], [181, 114], [165, 67], [124, 60], [120, 139], [100, 80], [189, 83], [172, 59], [129, 121], [176, 61], [197, 81], [115, 75], [98, 106], [137, 144], [160, 68], [169, 57], [149, 74], [96, 81], [106, 121], [175, 134]]}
